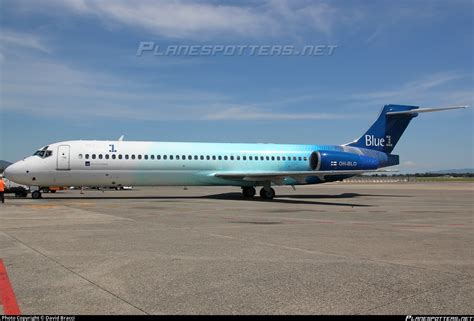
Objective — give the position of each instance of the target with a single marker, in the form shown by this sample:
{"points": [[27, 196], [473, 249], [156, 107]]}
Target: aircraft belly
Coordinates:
{"points": [[137, 178]]}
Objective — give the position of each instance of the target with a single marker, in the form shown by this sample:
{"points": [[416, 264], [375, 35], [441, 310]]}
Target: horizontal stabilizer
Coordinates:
{"points": [[422, 110]]}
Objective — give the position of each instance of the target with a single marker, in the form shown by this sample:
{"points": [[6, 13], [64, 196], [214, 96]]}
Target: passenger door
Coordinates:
{"points": [[63, 158]]}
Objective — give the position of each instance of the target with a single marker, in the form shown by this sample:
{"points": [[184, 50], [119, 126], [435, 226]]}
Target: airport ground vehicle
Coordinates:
{"points": [[17, 189]]}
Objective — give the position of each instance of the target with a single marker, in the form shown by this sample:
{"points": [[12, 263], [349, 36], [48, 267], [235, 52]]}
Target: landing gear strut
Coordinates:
{"points": [[248, 191], [267, 193]]}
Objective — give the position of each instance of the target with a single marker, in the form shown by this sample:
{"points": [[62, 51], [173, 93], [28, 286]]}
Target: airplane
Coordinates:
{"points": [[141, 163]]}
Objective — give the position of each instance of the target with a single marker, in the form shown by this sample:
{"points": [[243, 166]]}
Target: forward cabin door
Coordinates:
{"points": [[63, 158]]}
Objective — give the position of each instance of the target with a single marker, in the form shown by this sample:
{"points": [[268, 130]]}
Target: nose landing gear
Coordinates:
{"points": [[36, 194]]}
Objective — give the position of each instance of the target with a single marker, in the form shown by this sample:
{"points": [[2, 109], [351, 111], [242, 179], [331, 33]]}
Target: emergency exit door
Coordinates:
{"points": [[63, 157]]}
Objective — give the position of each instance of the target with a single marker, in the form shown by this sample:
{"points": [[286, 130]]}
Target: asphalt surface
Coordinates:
{"points": [[328, 249]]}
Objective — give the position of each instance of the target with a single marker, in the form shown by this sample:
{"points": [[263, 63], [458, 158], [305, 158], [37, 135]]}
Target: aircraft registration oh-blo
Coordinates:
{"points": [[123, 163]]}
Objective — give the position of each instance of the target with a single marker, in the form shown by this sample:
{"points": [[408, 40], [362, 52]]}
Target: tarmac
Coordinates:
{"points": [[401, 248]]}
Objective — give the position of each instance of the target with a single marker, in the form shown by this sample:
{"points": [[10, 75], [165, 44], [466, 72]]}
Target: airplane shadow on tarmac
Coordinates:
{"points": [[288, 199]]}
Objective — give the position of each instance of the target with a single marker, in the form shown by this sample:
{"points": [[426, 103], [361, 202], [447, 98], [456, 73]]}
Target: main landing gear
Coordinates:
{"points": [[266, 193], [248, 191]]}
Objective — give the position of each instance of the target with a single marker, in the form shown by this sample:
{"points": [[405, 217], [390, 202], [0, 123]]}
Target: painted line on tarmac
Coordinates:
{"points": [[7, 296]]}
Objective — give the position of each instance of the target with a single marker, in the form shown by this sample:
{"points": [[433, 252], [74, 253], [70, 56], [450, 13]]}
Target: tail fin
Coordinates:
{"points": [[384, 134]]}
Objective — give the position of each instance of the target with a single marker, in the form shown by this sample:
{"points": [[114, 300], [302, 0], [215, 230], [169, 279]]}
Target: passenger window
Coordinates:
{"points": [[139, 156], [267, 158], [100, 156], [165, 156], [146, 156], [299, 158], [80, 156], [120, 156], [202, 157], [220, 157], [305, 158], [250, 158], [273, 158], [238, 157], [152, 156], [195, 157], [87, 156], [208, 157], [278, 157], [261, 158], [245, 157], [171, 157], [93, 156], [294, 158], [133, 156], [158, 157], [126, 156], [106, 156], [113, 156], [213, 157], [177, 157], [232, 157], [190, 157], [225, 157], [183, 157], [283, 158]]}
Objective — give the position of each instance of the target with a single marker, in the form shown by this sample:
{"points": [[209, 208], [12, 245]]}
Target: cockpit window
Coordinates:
{"points": [[43, 152], [39, 153]]}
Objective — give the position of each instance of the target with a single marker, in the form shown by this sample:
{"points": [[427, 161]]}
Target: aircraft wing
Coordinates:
{"points": [[278, 177]]}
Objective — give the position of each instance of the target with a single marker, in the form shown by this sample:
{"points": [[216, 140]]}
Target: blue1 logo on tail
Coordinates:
{"points": [[372, 141]]}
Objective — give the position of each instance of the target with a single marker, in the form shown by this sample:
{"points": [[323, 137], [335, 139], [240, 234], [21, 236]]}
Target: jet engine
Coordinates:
{"points": [[336, 160]]}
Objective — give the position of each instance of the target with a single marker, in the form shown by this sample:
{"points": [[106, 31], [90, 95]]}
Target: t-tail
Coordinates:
{"points": [[386, 131]]}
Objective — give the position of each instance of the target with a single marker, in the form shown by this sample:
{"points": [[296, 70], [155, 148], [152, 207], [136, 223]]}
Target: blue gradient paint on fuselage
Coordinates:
{"points": [[201, 171]]}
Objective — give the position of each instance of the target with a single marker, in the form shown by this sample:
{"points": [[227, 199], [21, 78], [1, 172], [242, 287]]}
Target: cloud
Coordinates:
{"points": [[255, 113], [25, 40], [198, 20], [56, 90], [409, 164]]}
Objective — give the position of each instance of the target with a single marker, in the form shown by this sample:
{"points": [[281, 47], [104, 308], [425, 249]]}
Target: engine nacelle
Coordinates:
{"points": [[335, 160]]}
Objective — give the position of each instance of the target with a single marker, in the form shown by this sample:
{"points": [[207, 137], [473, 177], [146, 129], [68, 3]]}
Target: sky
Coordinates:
{"points": [[70, 69]]}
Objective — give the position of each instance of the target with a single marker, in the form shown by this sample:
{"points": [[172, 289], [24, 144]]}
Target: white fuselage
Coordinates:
{"points": [[116, 163]]}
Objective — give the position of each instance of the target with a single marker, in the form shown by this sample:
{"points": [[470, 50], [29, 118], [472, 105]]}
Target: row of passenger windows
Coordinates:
{"points": [[191, 157]]}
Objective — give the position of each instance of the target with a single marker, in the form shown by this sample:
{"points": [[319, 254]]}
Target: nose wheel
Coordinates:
{"points": [[35, 195], [267, 193]]}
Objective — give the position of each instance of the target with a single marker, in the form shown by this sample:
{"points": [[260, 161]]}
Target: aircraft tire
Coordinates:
{"points": [[267, 194], [36, 195], [248, 192]]}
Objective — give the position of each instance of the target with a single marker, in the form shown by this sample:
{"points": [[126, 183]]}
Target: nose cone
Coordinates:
{"points": [[13, 172]]}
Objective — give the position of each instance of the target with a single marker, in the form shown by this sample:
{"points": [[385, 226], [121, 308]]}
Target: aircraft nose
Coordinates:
{"points": [[12, 171]]}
